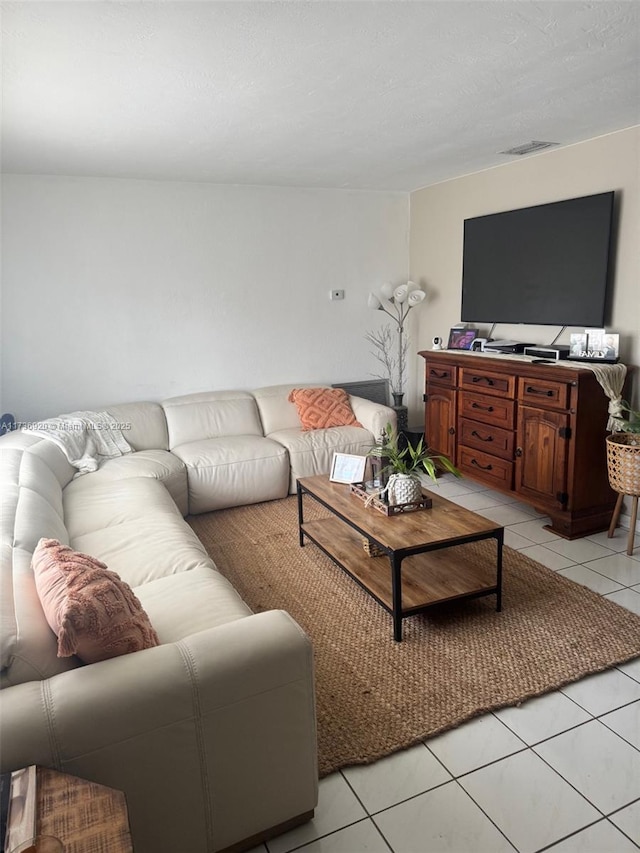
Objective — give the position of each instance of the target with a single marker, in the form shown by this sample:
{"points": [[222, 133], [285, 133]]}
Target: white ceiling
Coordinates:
{"points": [[374, 95]]}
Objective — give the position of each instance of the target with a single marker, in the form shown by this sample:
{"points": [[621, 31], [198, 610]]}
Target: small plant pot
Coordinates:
{"points": [[403, 489]]}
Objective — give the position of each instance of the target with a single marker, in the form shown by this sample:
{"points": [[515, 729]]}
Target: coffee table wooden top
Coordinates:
{"points": [[83, 815], [444, 522]]}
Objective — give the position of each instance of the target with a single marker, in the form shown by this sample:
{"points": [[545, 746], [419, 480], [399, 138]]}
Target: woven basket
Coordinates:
{"points": [[623, 463]]}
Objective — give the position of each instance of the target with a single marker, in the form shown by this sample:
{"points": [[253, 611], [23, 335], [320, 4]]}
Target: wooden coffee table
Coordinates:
{"points": [[84, 816], [418, 567]]}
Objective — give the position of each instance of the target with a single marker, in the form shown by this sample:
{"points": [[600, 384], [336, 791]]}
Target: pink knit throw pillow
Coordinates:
{"points": [[92, 611]]}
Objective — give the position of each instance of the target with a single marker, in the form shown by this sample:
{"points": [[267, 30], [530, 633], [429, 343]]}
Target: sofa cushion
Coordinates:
{"points": [[32, 473], [322, 408], [32, 504], [94, 613], [99, 503], [35, 517], [144, 549], [143, 424], [37, 476], [180, 605], [35, 445], [312, 452], [234, 470], [195, 417], [276, 411], [29, 647], [157, 464]]}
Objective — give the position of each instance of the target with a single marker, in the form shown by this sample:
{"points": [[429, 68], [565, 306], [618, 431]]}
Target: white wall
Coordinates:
{"points": [[610, 162], [119, 290]]}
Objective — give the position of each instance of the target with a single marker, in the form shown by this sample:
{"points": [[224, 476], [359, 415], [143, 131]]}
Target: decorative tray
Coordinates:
{"points": [[371, 499]]}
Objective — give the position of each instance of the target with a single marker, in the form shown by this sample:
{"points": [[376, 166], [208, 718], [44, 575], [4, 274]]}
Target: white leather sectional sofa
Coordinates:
{"points": [[211, 734]]}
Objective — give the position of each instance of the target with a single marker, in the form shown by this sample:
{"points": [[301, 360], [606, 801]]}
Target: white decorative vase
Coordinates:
{"points": [[403, 489]]}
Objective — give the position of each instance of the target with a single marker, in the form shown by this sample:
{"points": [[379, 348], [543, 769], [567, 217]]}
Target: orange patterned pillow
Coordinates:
{"points": [[92, 611], [320, 408]]}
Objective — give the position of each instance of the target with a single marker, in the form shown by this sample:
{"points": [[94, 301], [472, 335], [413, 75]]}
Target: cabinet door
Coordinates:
{"points": [[440, 420], [541, 456]]}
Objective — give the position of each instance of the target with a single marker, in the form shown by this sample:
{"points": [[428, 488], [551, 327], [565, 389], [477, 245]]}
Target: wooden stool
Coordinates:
{"points": [[634, 518]]}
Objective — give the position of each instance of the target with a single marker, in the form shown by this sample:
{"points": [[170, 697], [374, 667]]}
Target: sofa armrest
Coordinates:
{"points": [[211, 738], [373, 416]]}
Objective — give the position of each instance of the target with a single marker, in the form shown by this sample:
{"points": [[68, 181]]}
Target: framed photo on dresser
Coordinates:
{"points": [[595, 345], [461, 338]]}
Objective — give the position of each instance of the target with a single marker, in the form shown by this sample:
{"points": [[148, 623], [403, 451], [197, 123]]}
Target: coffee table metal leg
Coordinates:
{"points": [[500, 541], [396, 585], [300, 514]]}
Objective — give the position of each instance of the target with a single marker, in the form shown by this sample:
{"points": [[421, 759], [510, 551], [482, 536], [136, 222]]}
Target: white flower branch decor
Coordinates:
{"points": [[396, 302]]}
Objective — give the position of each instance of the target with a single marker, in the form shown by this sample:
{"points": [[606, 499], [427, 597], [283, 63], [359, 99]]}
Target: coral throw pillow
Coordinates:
{"points": [[321, 408], [92, 611]]}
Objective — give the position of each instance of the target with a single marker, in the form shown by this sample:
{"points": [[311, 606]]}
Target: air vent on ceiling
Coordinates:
{"points": [[529, 148]]}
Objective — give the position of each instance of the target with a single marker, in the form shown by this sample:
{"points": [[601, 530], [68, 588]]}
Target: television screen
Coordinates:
{"points": [[543, 265]]}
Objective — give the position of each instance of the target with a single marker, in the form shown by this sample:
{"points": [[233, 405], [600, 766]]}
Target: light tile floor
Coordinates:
{"points": [[559, 773]]}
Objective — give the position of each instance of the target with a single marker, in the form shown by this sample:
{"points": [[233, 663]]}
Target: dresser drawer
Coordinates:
{"points": [[487, 438], [487, 382], [486, 467], [441, 374], [544, 392], [493, 410]]}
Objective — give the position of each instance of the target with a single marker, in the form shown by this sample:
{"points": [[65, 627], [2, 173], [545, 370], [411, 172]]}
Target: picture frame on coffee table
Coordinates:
{"points": [[347, 468]]}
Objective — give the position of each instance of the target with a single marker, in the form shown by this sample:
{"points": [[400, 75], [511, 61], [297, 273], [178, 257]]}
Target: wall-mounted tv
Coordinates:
{"points": [[542, 265]]}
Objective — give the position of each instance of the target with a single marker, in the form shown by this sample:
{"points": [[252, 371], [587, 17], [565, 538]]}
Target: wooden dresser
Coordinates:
{"points": [[535, 430]]}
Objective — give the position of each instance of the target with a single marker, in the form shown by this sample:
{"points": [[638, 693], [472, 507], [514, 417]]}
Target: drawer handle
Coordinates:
{"points": [[518, 452], [482, 408], [484, 467], [444, 374], [452, 430], [483, 379], [531, 390], [482, 438]]}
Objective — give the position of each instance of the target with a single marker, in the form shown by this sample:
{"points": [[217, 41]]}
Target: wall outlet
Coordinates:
{"points": [[336, 294]]}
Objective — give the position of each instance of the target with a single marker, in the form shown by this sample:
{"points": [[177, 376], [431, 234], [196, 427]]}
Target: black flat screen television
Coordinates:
{"points": [[542, 265]]}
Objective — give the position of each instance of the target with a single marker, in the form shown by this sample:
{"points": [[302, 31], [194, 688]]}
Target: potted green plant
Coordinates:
{"points": [[403, 465], [623, 466], [629, 425]]}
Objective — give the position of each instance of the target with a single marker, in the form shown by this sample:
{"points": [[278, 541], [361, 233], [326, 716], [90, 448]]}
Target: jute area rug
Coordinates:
{"points": [[376, 696]]}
